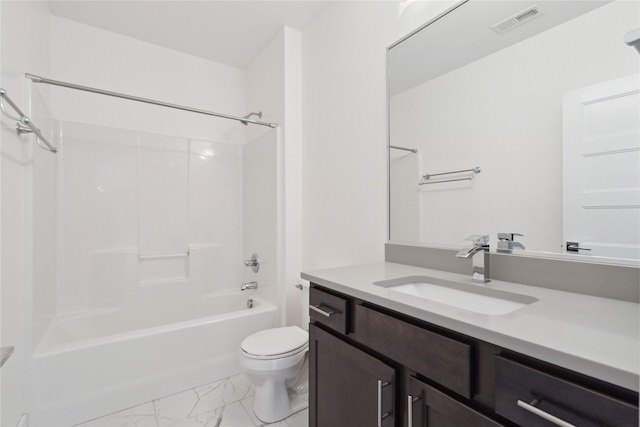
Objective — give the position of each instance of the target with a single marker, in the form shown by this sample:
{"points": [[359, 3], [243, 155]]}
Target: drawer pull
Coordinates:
{"points": [[410, 401], [381, 416], [325, 313], [542, 414]]}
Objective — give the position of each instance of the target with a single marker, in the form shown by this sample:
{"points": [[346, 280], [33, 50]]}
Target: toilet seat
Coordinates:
{"points": [[275, 343]]}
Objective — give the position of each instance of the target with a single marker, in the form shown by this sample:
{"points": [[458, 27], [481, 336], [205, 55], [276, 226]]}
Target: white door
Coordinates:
{"points": [[601, 168]]}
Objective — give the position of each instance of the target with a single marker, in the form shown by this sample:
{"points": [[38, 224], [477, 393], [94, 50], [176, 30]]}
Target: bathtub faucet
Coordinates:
{"points": [[249, 285]]}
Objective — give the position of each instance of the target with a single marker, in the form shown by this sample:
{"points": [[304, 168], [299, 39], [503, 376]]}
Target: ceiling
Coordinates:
{"points": [[229, 32]]}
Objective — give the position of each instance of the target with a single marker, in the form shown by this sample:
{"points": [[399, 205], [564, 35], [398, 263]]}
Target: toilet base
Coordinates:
{"points": [[299, 403], [265, 409]]}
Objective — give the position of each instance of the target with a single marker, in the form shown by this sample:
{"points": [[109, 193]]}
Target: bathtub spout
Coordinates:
{"points": [[249, 285]]}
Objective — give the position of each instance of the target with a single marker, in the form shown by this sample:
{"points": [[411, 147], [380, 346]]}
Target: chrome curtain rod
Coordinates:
{"points": [[244, 120], [24, 123]]}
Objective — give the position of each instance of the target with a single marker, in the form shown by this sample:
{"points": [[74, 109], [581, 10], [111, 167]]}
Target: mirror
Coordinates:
{"points": [[518, 117]]}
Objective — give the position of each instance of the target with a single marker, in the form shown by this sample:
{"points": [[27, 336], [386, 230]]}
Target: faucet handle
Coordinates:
{"points": [[508, 236], [506, 242], [479, 239]]}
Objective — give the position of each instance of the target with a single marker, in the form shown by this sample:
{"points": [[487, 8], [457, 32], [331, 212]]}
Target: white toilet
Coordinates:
{"points": [[276, 362]]}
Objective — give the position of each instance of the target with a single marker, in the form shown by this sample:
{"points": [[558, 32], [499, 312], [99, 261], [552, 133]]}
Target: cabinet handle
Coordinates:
{"points": [[381, 416], [410, 401], [325, 313], [542, 414]]}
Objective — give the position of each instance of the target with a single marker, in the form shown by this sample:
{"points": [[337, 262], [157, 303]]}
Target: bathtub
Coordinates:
{"points": [[92, 364]]}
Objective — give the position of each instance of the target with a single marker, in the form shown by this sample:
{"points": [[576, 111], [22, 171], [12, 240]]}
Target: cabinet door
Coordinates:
{"points": [[429, 407], [348, 387]]}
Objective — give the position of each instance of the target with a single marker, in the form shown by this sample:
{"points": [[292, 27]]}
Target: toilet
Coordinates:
{"points": [[276, 362]]}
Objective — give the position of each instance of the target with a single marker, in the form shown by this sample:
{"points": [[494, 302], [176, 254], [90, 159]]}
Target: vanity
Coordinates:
{"points": [[381, 356]]}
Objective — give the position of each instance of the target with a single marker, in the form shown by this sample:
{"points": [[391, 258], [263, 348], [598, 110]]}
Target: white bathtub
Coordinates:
{"points": [[97, 363]]}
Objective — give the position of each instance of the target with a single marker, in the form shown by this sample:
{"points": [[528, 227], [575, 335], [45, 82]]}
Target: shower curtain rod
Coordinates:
{"points": [[244, 120]]}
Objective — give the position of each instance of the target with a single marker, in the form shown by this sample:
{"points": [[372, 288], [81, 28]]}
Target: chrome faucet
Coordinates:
{"points": [[479, 254], [253, 262], [249, 285]]}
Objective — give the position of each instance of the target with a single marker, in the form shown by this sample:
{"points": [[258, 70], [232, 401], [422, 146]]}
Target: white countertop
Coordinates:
{"points": [[595, 336]]}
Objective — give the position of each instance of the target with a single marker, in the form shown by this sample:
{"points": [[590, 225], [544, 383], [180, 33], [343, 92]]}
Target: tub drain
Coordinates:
{"points": [[249, 303]]}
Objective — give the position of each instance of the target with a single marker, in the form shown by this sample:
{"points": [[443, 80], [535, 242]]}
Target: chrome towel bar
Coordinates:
{"points": [[426, 178]]}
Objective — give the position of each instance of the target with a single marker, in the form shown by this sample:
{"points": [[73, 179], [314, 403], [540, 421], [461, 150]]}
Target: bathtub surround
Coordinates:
{"points": [[150, 263], [141, 211]]}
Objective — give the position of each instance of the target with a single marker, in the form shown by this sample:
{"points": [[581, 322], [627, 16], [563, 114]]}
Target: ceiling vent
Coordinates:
{"points": [[518, 19]]}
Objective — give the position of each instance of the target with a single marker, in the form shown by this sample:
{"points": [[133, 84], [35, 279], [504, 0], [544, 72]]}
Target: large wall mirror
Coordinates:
{"points": [[518, 117]]}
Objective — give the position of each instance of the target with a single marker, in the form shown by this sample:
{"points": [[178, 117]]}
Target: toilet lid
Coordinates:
{"points": [[272, 342]]}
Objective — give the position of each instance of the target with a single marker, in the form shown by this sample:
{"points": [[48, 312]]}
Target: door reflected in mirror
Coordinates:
{"points": [[543, 98]]}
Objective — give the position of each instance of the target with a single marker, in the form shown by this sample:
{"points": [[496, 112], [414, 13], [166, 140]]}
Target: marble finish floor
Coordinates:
{"points": [[223, 403]]}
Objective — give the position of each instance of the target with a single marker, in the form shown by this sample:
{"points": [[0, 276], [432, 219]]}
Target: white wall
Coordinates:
{"points": [[510, 126], [344, 128], [404, 196], [24, 31], [89, 56], [293, 175], [274, 87]]}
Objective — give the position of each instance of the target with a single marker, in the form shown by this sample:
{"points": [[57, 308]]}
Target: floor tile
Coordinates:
{"points": [[139, 416], [224, 403], [232, 415], [299, 419], [188, 405], [236, 388]]}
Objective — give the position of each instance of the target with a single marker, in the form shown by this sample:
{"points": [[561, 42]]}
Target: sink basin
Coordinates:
{"points": [[475, 298]]}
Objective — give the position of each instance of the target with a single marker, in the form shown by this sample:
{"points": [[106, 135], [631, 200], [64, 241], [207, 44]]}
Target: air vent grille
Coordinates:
{"points": [[517, 19]]}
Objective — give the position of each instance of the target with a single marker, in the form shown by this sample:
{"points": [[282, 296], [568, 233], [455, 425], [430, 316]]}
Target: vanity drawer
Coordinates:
{"points": [[432, 408], [524, 395], [328, 309], [440, 358]]}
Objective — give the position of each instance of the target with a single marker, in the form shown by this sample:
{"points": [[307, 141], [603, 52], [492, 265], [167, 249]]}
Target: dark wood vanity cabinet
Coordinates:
{"points": [[351, 387], [370, 366]]}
